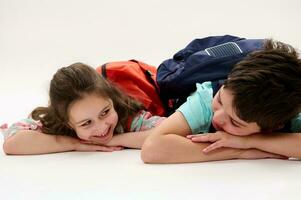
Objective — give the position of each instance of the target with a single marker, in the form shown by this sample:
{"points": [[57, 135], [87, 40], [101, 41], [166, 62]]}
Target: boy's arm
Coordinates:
{"points": [[167, 144], [286, 144], [34, 142]]}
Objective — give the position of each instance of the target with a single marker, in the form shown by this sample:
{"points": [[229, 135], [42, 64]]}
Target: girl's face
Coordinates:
{"points": [[93, 116], [225, 119]]}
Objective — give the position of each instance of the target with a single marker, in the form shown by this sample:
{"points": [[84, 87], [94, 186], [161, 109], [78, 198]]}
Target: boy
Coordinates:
{"points": [[262, 94]]}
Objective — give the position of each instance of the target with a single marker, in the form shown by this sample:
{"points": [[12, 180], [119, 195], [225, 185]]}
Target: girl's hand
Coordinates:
{"points": [[115, 141], [83, 145], [220, 139]]}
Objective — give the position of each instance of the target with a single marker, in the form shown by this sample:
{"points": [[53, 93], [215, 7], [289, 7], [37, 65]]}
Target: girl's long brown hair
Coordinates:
{"points": [[70, 84]]}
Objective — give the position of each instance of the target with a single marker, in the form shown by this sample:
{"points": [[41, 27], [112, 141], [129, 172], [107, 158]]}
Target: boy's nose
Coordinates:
{"points": [[220, 118], [221, 123]]}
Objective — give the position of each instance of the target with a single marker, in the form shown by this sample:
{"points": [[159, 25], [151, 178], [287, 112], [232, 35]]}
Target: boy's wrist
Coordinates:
{"points": [[252, 141]]}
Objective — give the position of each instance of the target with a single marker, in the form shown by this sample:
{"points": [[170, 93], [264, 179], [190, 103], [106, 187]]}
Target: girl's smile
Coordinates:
{"points": [[93, 116]]}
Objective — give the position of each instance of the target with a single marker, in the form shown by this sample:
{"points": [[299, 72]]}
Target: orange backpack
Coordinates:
{"points": [[136, 79]]}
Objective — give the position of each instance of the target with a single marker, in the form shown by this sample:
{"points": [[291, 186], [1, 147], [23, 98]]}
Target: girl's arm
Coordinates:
{"points": [[167, 143], [34, 142], [132, 140]]}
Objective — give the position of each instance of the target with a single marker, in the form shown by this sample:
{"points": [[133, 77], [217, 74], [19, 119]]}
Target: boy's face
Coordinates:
{"points": [[225, 119], [93, 116]]}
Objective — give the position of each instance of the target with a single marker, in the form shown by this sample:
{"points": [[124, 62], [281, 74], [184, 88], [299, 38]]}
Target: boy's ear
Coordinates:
{"points": [[280, 126]]}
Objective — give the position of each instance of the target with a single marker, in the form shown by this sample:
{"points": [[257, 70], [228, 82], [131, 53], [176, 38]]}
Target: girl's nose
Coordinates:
{"points": [[100, 130]]}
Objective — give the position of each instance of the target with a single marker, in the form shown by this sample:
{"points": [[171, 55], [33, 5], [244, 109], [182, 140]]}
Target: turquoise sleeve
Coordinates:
{"points": [[197, 109], [296, 124]]}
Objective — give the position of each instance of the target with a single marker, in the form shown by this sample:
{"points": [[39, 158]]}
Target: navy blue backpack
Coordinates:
{"points": [[206, 59]]}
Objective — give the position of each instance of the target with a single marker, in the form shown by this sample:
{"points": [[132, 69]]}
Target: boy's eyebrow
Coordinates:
{"points": [[237, 122], [108, 105], [219, 96]]}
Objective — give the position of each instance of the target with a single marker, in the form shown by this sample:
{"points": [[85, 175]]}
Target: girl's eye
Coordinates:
{"points": [[104, 113], [86, 123]]}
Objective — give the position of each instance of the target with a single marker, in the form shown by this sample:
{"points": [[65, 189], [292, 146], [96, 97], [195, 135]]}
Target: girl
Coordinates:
{"points": [[83, 107]]}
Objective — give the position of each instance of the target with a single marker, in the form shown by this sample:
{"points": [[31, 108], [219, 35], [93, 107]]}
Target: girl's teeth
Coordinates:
{"points": [[103, 134]]}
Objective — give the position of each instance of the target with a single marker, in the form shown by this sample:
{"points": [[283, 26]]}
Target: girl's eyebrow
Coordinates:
{"points": [[233, 120], [107, 106]]}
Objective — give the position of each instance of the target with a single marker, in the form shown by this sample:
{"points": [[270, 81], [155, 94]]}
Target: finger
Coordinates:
{"points": [[114, 148], [277, 156], [89, 147], [85, 142], [117, 148], [201, 138], [192, 136], [213, 146], [212, 137], [103, 148]]}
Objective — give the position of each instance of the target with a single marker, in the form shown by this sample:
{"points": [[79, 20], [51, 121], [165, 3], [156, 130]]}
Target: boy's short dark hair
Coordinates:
{"points": [[266, 86]]}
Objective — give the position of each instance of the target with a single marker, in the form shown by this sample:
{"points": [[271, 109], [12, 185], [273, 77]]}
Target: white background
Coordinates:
{"points": [[38, 36]]}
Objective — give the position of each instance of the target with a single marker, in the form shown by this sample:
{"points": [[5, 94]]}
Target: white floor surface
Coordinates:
{"points": [[39, 36]]}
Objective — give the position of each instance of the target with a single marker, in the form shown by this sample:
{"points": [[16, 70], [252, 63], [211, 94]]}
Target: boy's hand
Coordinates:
{"points": [[220, 139]]}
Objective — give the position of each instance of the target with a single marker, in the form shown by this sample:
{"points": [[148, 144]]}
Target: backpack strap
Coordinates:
{"points": [[103, 70], [151, 76], [136, 79]]}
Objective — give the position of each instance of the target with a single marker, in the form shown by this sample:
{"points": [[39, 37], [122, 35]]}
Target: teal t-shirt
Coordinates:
{"points": [[296, 124], [197, 110]]}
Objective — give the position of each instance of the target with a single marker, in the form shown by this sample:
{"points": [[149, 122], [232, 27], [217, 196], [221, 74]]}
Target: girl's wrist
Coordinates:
{"points": [[69, 143]]}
